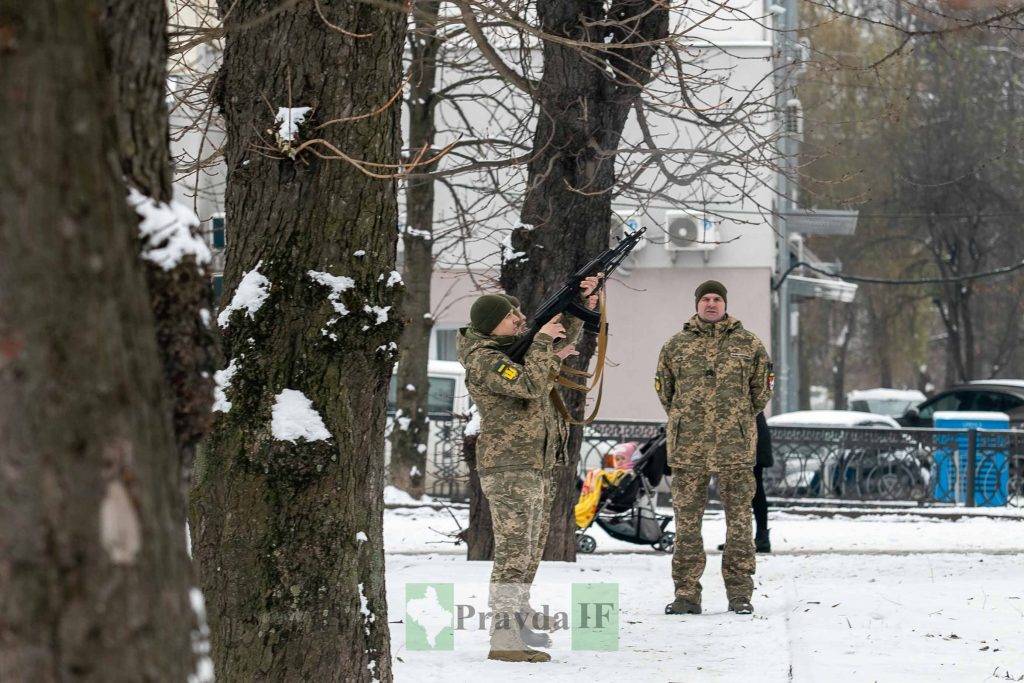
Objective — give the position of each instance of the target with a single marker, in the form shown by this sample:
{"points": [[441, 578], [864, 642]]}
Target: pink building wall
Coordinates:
{"points": [[644, 310]]}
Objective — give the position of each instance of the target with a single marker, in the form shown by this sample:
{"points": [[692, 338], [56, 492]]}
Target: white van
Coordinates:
{"points": [[446, 395], [446, 398]]}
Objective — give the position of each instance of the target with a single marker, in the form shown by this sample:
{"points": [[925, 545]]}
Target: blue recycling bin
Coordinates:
{"points": [[992, 467]]}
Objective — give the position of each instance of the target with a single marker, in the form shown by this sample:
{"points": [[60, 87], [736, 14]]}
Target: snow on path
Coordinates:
{"points": [[941, 617], [423, 530]]}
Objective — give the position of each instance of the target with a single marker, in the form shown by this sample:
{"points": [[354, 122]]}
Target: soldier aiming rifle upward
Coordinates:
{"points": [[513, 367]]}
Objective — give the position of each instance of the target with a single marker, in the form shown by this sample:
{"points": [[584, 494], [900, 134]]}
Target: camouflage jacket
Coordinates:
{"points": [[520, 428], [713, 379]]}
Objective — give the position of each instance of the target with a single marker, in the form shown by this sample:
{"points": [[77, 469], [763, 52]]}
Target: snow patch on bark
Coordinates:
{"points": [[288, 120], [380, 311], [508, 252], [252, 291], [221, 383], [294, 417], [337, 284], [167, 231], [120, 530], [394, 278]]}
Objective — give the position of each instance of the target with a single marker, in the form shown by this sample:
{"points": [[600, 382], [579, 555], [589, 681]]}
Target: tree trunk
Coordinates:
{"points": [[136, 35], [408, 465], [567, 208], [94, 576], [287, 521], [479, 536], [803, 390], [842, 350]]}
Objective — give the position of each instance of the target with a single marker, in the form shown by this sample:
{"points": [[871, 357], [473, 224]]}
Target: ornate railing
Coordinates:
{"points": [[925, 466], [919, 465]]}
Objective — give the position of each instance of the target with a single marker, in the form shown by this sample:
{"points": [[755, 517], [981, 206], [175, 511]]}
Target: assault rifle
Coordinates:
{"points": [[567, 298]]}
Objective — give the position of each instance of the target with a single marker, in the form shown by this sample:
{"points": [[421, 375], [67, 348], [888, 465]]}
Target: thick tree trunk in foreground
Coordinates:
{"points": [[287, 514], [136, 34], [572, 173], [93, 569], [408, 466]]}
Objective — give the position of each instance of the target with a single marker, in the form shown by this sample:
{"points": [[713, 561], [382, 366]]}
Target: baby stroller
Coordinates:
{"points": [[626, 508]]}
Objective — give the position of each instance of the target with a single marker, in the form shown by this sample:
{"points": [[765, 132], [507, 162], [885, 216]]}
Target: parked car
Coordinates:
{"points": [[837, 463], [891, 402], [990, 395], [447, 397], [446, 393]]}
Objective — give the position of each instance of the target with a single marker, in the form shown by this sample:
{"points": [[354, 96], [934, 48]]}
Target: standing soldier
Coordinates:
{"points": [[522, 437], [713, 377]]}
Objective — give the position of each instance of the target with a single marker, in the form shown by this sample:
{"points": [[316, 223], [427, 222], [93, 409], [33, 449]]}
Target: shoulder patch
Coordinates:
{"points": [[507, 371], [657, 384]]}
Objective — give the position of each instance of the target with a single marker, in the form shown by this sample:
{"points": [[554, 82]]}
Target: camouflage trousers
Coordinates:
{"points": [[689, 497], [520, 504]]}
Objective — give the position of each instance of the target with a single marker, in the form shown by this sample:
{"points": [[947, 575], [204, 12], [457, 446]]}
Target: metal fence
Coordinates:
{"points": [[927, 466], [923, 466]]}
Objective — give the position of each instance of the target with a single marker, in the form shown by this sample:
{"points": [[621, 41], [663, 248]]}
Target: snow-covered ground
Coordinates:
{"points": [[881, 598]]}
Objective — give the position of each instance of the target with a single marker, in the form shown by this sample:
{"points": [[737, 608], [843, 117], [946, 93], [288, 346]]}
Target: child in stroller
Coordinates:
{"points": [[625, 509]]}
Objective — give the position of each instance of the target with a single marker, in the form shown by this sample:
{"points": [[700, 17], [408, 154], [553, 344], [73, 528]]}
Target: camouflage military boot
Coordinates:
{"points": [[741, 606], [682, 606], [507, 646], [538, 620], [533, 638]]}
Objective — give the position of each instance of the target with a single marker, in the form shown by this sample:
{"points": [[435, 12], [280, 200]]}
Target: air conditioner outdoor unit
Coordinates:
{"points": [[687, 231], [622, 223]]}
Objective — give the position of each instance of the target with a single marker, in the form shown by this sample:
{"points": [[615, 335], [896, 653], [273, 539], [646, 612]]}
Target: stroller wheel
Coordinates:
{"points": [[585, 544], [665, 543]]}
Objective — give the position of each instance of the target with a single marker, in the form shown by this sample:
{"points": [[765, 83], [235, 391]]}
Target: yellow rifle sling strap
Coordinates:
{"points": [[602, 352], [602, 349], [556, 398]]}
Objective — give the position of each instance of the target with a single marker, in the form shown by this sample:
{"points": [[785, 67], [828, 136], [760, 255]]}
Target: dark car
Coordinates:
{"points": [[990, 395]]}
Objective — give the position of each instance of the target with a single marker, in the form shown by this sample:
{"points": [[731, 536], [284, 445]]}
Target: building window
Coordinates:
{"points": [[218, 232], [444, 344], [218, 287]]}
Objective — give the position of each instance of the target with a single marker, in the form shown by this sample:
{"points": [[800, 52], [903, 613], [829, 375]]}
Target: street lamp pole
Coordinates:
{"points": [[785, 24]]}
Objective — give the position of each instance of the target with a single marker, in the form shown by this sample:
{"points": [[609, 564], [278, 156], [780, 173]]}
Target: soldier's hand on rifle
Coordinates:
{"points": [[588, 285], [553, 328], [566, 351]]}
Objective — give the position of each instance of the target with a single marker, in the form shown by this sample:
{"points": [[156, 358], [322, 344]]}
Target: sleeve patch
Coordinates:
{"points": [[657, 384], [507, 371]]}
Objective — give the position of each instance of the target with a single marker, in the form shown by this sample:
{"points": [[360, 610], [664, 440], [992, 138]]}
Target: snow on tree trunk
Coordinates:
{"points": [[290, 481], [179, 291], [95, 576]]}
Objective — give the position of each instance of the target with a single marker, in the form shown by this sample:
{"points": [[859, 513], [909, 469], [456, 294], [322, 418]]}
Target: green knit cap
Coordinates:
{"points": [[512, 300], [487, 311], [710, 287]]}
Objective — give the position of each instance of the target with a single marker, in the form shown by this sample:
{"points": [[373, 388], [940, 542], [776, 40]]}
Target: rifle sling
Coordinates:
{"points": [[602, 349]]}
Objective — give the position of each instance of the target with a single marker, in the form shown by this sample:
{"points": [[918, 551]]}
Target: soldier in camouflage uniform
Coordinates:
{"points": [[522, 437], [713, 378]]}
